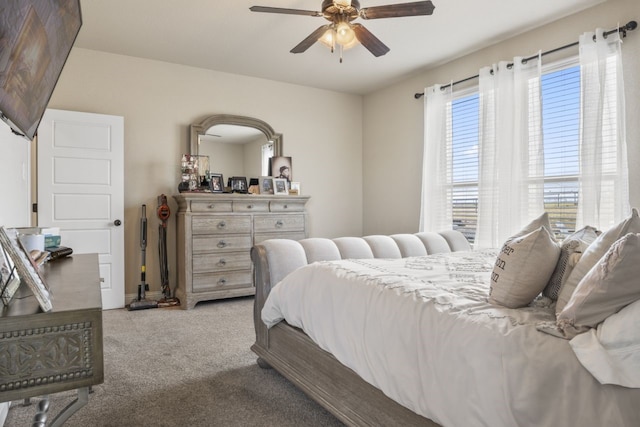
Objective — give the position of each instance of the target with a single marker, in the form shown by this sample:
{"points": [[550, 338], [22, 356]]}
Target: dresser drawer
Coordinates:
{"points": [[286, 206], [278, 223], [251, 206], [221, 224], [261, 237], [210, 206], [208, 243], [205, 263], [223, 280]]}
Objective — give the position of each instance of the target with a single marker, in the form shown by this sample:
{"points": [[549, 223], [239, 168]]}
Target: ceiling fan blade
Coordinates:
{"points": [[284, 11], [310, 40], [397, 10], [368, 40]]}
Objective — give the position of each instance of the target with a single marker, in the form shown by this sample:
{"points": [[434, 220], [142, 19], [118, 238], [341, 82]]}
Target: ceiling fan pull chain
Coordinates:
{"points": [[341, 49]]}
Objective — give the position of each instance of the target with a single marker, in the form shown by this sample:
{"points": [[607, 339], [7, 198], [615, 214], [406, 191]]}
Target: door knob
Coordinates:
{"points": [[117, 223]]}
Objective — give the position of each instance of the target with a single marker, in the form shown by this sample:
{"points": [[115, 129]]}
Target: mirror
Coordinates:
{"points": [[236, 145]]}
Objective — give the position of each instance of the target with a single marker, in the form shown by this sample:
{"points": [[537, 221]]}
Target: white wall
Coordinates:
{"points": [[15, 192], [393, 119], [160, 100]]}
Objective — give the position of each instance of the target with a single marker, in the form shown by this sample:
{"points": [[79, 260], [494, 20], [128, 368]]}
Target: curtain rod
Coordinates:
{"points": [[631, 25]]}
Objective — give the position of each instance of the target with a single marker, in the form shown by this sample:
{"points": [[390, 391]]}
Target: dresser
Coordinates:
{"points": [[44, 353], [215, 234]]}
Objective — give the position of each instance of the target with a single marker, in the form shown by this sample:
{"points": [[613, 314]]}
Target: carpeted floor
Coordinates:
{"points": [[174, 367]]}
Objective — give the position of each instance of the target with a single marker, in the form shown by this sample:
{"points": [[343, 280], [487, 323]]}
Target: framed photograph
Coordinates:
{"points": [[27, 269], [9, 280], [280, 186], [281, 168], [294, 189], [266, 185], [239, 184], [216, 183]]}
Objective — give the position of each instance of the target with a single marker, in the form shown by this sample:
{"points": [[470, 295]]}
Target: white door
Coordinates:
{"points": [[81, 190]]}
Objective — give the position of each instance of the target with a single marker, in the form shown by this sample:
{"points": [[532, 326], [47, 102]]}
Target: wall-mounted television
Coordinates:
{"points": [[36, 37]]}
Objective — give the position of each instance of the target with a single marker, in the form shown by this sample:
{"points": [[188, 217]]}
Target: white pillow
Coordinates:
{"points": [[541, 221], [593, 253], [523, 268], [609, 286], [612, 351], [574, 244]]}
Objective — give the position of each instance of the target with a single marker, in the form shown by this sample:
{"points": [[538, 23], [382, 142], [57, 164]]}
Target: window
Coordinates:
{"points": [[561, 124]]}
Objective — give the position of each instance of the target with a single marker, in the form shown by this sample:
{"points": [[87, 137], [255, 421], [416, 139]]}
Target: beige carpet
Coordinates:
{"points": [[174, 367]]}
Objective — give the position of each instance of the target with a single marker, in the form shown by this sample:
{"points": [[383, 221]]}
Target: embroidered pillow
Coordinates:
{"points": [[609, 286], [575, 243], [523, 268], [592, 255]]}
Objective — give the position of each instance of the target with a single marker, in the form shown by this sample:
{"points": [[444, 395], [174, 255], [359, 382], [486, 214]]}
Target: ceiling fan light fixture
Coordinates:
{"points": [[329, 39], [344, 33], [342, 3]]}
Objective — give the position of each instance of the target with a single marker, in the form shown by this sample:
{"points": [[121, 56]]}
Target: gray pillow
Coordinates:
{"points": [[608, 287], [593, 253], [575, 243]]}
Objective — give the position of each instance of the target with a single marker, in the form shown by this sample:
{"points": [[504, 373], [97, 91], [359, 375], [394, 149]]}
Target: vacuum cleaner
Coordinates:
{"points": [[164, 212], [141, 303]]}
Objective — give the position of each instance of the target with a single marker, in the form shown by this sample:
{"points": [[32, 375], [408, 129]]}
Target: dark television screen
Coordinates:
{"points": [[35, 40]]}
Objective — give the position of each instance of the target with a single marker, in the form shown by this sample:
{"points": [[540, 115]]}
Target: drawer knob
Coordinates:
{"points": [[279, 223], [249, 206], [222, 281], [285, 206], [222, 262], [222, 244], [211, 206], [222, 224]]}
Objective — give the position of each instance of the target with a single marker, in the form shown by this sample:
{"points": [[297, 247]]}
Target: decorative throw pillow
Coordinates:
{"points": [[593, 253], [523, 268], [541, 221], [610, 352], [575, 243], [609, 286]]}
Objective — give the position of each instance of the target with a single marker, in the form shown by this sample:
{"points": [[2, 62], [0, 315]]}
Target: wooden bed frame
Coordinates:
{"points": [[321, 376]]}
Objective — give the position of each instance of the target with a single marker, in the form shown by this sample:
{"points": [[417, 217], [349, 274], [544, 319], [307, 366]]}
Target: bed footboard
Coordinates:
{"points": [[295, 356]]}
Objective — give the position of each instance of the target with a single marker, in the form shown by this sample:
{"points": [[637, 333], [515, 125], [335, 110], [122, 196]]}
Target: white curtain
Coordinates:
{"points": [[436, 206], [604, 185], [511, 169]]}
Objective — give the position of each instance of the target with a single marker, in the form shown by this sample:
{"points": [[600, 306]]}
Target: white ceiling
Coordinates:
{"points": [[224, 35]]}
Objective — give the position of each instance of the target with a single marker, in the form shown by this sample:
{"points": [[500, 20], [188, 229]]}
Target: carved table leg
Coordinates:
{"points": [[70, 409]]}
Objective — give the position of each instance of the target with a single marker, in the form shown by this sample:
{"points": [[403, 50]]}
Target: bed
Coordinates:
{"points": [[450, 359]]}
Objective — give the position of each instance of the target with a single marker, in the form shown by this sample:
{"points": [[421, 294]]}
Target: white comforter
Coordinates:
{"points": [[421, 330]]}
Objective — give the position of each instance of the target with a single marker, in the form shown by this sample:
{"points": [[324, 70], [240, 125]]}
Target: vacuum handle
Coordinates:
{"points": [[143, 228]]}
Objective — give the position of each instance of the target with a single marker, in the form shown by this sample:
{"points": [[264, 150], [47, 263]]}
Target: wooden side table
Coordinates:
{"points": [[44, 353]]}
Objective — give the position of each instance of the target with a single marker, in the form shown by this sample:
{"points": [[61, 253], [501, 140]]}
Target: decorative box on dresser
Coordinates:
{"points": [[215, 235]]}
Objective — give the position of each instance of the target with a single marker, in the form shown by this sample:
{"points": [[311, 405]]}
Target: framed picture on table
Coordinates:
{"points": [[26, 267], [9, 279]]}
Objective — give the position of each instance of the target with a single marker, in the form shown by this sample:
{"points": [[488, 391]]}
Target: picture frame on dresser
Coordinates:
{"points": [[266, 184], [280, 186], [239, 184], [27, 268], [216, 183]]}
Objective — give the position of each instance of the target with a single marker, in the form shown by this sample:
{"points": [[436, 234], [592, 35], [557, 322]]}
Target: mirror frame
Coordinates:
{"points": [[198, 129]]}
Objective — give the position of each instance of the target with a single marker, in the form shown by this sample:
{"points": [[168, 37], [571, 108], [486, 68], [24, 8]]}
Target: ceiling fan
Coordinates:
{"points": [[341, 30]]}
